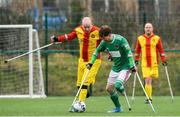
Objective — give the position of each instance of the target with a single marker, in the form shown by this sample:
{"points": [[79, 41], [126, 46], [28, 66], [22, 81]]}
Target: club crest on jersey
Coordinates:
{"points": [[92, 36], [116, 46], [154, 41]]}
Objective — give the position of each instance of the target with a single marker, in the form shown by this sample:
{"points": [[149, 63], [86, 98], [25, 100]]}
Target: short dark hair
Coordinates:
{"points": [[105, 30]]}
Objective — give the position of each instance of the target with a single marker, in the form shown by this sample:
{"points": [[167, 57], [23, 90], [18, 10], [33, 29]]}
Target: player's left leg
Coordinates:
{"points": [[123, 76], [114, 97], [119, 86], [148, 88], [146, 72], [113, 94], [148, 82]]}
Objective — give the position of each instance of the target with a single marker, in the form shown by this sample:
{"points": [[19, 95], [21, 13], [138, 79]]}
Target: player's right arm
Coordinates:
{"points": [[64, 37], [137, 51]]}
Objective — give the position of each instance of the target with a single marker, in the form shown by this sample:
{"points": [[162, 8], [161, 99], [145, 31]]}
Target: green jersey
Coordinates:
{"points": [[119, 50]]}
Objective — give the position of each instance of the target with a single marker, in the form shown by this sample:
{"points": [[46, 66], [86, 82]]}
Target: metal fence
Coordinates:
{"points": [[126, 17]]}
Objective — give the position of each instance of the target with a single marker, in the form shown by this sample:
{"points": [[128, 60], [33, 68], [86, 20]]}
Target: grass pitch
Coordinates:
{"points": [[95, 106]]}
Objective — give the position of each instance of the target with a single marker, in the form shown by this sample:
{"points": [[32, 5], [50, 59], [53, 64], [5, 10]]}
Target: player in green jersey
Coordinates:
{"points": [[123, 63]]}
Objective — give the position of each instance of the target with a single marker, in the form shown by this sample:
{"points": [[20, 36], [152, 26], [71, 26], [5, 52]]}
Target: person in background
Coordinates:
{"points": [[149, 45], [88, 38], [123, 63]]}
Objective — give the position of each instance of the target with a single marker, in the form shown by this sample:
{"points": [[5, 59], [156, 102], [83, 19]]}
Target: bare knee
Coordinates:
{"points": [[109, 88]]}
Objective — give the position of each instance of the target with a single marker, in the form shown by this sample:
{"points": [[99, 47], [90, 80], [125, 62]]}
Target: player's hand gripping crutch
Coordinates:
{"points": [[77, 94], [145, 91], [6, 61], [134, 83], [169, 83]]}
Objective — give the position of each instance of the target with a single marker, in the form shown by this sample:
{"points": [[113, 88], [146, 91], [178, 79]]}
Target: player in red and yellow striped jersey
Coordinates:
{"points": [[88, 38], [149, 45]]}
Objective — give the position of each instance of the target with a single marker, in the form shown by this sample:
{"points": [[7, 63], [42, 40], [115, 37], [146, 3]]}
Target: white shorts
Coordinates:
{"points": [[121, 76]]}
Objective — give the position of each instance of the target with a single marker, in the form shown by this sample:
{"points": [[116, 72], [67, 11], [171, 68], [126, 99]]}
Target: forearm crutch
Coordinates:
{"points": [[6, 61], [145, 91], [134, 85], [169, 83], [126, 97], [77, 94], [129, 106]]}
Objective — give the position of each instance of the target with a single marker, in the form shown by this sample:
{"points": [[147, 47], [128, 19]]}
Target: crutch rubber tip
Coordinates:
{"points": [[5, 61], [71, 110], [129, 109]]}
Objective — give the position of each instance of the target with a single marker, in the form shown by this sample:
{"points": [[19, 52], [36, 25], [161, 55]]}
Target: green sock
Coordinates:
{"points": [[115, 99], [119, 87]]}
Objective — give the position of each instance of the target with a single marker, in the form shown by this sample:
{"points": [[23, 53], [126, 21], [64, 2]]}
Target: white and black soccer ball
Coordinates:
{"points": [[79, 106]]}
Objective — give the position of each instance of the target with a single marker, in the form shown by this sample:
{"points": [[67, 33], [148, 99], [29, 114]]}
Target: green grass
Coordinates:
{"points": [[96, 106]]}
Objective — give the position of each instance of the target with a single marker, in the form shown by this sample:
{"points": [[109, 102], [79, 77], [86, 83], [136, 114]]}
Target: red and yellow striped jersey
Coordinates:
{"points": [[88, 41], [150, 47]]}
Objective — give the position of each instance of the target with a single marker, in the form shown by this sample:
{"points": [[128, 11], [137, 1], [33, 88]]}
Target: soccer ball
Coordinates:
{"points": [[79, 106]]}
